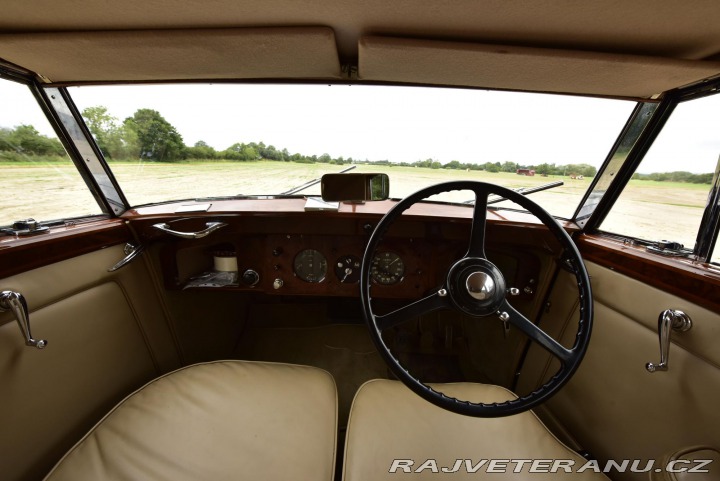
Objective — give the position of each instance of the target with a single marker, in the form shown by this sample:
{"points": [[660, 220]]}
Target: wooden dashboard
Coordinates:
{"points": [[270, 243], [429, 237]]}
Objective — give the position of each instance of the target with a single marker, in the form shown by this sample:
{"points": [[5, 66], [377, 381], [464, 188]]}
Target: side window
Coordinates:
{"points": [[39, 180], [667, 196]]}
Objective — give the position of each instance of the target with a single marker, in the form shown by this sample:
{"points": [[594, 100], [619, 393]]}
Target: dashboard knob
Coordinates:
{"points": [[250, 277], [277, 283]]}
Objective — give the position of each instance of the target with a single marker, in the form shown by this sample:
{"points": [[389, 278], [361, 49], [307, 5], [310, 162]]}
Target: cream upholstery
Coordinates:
{"points": [[687, 458], [638, 27], [178, 54], [522, 68], [634, 414], [219, 420], [388, 421], [108, 335]]}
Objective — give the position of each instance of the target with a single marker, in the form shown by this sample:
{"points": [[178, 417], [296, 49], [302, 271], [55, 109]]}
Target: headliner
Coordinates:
{"points": [[666, 29]]}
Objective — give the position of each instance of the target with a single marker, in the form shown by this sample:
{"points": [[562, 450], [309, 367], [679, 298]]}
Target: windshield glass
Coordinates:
{"points": [[174, 142]]}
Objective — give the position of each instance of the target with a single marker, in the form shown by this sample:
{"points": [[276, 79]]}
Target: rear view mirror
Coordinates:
{"points": [[354, 187]]}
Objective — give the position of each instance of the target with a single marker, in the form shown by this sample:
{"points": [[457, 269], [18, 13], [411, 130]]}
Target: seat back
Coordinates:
{"points": [[392, 432], [218, 420]]}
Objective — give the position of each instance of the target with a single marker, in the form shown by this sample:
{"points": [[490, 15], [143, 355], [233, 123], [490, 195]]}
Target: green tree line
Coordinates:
{"points": [[26, 140], [586, 170], [679, 176], [148, 135]]}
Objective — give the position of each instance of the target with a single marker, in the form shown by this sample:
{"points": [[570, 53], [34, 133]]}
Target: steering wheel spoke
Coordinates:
{"points": [[536, 334], [477, 233], [433, 302]]}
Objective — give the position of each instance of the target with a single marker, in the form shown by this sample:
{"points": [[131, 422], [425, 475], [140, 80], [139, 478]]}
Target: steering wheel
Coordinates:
{"points": [[476, 287]]}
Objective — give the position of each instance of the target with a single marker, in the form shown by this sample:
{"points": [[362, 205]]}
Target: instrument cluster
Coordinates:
{"points": [[310, 265], [408, 264]]}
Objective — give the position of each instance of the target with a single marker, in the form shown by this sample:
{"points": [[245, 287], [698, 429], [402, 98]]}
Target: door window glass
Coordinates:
{"points": [[666, 198], [39, 180]]}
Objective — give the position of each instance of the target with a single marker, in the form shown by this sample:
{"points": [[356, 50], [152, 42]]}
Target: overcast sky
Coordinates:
{"points": [[398, 124]]}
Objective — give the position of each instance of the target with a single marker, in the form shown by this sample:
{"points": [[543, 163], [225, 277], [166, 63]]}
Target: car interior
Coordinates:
{"points": [[364, 319]]}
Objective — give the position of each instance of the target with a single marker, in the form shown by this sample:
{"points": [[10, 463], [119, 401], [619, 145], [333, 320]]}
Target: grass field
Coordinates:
{"points": [[49, 190]]}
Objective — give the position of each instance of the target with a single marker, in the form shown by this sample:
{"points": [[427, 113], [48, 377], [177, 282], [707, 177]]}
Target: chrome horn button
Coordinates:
{"points": [[480, 285], [476, 286]]}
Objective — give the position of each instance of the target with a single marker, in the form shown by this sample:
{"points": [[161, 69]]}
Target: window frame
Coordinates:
{"points": [[617, 179], [78, 143]]}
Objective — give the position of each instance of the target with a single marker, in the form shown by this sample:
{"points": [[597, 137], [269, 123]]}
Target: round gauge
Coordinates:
{"points": [[310, 265], [347, 269], [387, 268]]}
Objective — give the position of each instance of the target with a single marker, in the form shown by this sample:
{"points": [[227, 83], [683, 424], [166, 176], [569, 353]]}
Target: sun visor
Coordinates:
{"points": [[188, 54], [528, 69]]}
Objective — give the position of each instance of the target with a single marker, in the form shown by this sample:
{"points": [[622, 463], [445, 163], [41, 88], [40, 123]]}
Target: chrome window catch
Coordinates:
{"points": [[15, 302], [669, 320], [131, 252]]}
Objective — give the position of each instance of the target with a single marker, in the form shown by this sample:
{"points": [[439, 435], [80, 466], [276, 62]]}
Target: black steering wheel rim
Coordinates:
{"points": [[479, 306]]}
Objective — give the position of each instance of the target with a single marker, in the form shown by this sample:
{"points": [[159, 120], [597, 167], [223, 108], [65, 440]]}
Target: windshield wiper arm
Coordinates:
{"points": [[523, 191], [306, 185]]}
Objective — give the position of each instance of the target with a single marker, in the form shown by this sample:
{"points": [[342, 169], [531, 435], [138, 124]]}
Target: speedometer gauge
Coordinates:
{"points": [[310, 266], [387, 268]]}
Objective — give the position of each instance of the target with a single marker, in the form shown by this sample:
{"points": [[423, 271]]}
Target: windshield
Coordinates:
{"points": [[174, 142]]}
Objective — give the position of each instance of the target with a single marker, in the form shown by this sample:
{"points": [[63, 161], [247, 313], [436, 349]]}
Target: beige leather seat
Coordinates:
{"points": [[215, 421], [393, 429]]}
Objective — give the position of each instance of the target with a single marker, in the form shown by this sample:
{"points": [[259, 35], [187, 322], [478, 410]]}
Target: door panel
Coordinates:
{"points": [[107, 335], [613, 406]]}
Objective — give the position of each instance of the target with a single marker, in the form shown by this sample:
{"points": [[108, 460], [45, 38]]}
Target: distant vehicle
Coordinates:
{"points": [[529, 172]]}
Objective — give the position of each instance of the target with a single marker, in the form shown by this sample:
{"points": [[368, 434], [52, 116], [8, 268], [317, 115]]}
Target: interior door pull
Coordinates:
{"points": [[15, 302], [669, 320]]}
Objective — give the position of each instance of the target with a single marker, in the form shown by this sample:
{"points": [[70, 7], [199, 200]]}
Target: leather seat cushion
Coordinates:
{"points": [[218, 420], [388, 422]]}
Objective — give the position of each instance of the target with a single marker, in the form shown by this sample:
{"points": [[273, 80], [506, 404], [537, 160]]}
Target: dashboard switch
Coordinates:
{"points": [[250, 277], [277, 283]]}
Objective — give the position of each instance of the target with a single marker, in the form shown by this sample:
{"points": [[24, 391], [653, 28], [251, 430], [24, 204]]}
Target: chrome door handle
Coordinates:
{"points": [[15, 302], [131, 252], [210, 228], [669, 320]]}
